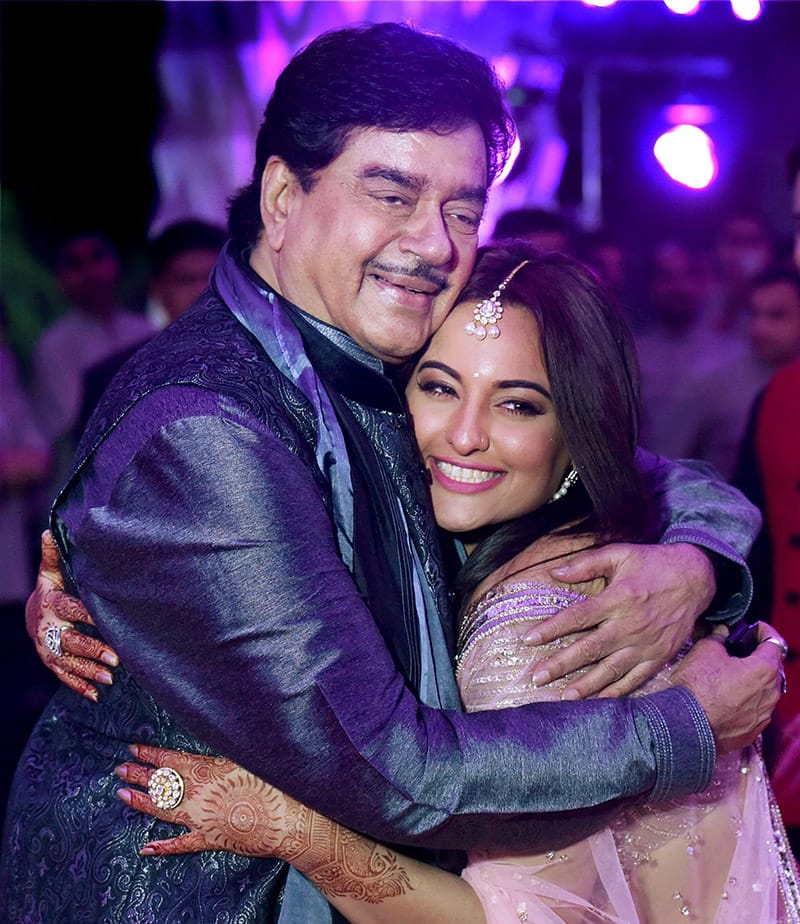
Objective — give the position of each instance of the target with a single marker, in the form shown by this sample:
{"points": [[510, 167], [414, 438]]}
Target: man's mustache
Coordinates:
{"points": [[418, 271]]}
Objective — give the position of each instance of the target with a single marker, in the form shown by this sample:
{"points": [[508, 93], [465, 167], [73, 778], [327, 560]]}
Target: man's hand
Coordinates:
{"points": [[738, 695], [51, 607], [639, 622]]}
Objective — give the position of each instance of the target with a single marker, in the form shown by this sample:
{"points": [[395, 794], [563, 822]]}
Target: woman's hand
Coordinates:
{"points": [[224, 806], [648, 609], [76, 659]]}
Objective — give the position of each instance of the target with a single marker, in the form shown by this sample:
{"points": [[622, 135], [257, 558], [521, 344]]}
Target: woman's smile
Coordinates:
{"points": [[468, 479]]}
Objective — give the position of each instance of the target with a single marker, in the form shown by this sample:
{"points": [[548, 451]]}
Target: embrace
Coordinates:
{"points": [[250, 525]]}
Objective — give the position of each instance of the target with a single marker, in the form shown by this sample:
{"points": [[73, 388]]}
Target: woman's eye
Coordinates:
{"points": [[435, 388], [522, 408]]}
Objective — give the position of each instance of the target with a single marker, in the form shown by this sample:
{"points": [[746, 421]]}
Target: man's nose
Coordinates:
{"points": [[427, 236]]}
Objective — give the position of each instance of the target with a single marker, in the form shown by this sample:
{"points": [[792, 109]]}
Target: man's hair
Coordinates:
{"points": [[591, 364], [65, 244], [180, 237], [388, 76], [793, 164]]}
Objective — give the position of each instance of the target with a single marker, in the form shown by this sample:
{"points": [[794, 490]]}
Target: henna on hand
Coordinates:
{"points": [[84, 660], [227, 808], [341, 863]]}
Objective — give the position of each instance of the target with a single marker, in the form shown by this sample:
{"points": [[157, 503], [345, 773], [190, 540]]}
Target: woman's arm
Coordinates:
{"points": [[227, 808]]}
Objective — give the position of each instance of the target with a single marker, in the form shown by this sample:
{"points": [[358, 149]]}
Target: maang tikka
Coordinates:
{"points": [[487, 314]]}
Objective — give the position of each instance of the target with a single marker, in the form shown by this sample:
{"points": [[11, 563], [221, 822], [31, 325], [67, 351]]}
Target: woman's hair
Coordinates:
{"points": [[388, 76], [591, 364]]}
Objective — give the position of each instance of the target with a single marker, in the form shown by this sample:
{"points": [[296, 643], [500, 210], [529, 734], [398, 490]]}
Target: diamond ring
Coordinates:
{"points": [[165, 788], [52, 639]]}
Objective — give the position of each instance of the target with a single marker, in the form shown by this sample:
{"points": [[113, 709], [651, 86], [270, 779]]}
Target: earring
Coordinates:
{"points": [[570, 479]]}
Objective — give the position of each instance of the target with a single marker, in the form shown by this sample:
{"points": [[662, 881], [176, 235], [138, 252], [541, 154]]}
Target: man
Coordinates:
{"points": [[674, 338], [249, 526], [713, 416], [88, 270], [181, 258]]}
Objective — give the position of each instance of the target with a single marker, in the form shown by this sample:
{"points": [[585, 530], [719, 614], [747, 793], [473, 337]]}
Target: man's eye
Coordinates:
{"points": [[393, 200], [468, 221]]}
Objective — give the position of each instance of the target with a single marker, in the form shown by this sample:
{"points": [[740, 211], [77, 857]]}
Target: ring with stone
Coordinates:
{"points": [[52, 639], [165, 788], [773, 640]]}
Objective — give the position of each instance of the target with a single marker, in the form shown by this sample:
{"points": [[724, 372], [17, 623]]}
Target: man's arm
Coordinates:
{"points": [[656, 593], [207, 559], [702, 509]]}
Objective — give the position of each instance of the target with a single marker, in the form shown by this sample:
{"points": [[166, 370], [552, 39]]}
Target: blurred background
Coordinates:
{"points": [[134, 113]]}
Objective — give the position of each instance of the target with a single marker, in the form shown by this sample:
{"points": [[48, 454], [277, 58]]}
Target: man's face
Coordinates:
{"points": [[88, 271], [183, 279], [676, 285], [775, 322], [385, 240], [744, 249]]}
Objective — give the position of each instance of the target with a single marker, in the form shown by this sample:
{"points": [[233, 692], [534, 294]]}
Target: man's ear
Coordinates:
{"points": [[279, 186]]}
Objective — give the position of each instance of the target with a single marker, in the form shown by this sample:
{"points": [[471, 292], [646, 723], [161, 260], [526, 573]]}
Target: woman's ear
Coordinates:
{"points": [[278, 188]]}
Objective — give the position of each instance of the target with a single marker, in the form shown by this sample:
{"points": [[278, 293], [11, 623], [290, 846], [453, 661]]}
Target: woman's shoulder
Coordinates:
{"points": [[533, 567]]}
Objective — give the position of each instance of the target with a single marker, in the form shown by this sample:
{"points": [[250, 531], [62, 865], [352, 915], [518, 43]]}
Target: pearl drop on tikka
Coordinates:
{"points": [[488, 313]]}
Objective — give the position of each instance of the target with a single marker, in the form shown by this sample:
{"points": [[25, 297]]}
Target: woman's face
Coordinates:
{"points": [[485, 423]]}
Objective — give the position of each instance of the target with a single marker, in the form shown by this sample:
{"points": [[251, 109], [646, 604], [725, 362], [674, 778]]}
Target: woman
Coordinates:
{"points": [[524, 406]]}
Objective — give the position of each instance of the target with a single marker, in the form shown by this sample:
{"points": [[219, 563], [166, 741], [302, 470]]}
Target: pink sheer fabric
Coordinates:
{"points": [[718, 857]]}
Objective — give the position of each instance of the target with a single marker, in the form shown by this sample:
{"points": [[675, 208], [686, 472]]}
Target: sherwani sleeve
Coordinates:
{"points": [[699, 507], [204, 550]]}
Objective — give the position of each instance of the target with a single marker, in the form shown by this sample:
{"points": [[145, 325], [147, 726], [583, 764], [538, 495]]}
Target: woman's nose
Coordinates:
{"points": [[467, 432]]}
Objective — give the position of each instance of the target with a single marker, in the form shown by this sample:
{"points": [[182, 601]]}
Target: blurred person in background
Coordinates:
{"points": [[180, 260], [715, 403], [88, 268], [673, 344], [744, 247]]}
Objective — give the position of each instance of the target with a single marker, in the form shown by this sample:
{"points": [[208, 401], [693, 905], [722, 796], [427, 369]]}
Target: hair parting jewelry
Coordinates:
{"points": [[570, 479], [487, 314]]}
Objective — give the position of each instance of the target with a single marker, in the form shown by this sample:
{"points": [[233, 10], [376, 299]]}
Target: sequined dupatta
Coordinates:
{"points": [[717, 857]]}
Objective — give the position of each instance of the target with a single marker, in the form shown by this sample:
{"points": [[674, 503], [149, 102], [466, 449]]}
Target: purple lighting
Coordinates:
{"points": [[687, 155], [683, 7], [747, 10]]}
